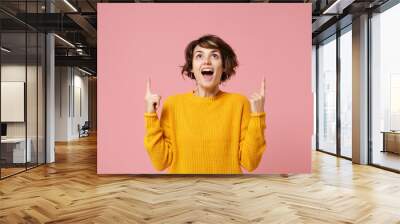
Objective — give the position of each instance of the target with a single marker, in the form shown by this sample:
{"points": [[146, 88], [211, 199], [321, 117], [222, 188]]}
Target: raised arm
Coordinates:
{"points": [[157, 140], [252, 142]]}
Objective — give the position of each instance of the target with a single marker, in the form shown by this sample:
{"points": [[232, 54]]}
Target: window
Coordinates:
{"points": [[346, 93], [385, 88], [327, 95]]}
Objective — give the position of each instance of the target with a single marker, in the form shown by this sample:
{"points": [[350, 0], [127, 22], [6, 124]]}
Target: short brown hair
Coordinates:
{"points": [[229, 60]]}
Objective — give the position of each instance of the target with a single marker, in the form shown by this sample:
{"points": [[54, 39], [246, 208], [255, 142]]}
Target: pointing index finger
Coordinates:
{"points": [[262, 90], [148, 85]]}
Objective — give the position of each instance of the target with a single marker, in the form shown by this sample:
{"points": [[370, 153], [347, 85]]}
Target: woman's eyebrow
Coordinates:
{"points": [[215, 51], [212, 51]]}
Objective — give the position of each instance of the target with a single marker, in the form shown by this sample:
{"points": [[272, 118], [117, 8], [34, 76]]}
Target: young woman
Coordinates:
{"points": [[206, 130]]}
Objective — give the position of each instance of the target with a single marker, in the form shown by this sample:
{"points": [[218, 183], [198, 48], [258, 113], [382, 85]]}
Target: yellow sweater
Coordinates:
{"points": [[205, 135]]}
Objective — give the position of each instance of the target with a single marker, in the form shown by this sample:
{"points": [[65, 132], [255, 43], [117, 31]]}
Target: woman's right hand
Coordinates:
{"points": [[152, 100]]}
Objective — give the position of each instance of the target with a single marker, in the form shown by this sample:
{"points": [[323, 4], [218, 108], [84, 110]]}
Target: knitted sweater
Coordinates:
{"points": [[205, 135]]}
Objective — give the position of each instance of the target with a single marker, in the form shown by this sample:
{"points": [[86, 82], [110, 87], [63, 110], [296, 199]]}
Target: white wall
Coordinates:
{"points": [[81, 102], [62, 81], [71, 93]]}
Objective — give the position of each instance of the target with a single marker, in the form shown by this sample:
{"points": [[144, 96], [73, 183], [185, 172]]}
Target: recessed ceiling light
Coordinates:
{"points": [[70, 5], [338, 6], [5, 50], [84, 71], [64, 40]]}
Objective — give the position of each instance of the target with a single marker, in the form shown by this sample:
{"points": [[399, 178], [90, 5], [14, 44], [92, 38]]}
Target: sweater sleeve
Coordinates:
{"points": [[157, 140], [252, 142]]}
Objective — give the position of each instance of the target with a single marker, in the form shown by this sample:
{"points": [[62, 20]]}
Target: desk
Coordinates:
{"points": [[13, 150], [391, 141]]}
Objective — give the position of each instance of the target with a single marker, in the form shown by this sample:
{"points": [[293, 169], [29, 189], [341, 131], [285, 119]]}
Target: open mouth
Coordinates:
{"points": [[207, 73]]}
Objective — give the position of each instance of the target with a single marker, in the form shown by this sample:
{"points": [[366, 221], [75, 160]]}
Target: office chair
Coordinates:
{"points": [[84, 130]]}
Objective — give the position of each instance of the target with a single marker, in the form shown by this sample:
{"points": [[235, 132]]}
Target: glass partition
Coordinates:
{"points": [[32, 95], [13, 105], [22, 77], [41, 87], [327, 95]]}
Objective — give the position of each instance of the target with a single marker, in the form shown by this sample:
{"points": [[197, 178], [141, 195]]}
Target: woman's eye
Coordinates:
{"points": [[215, 55], [198, 56]]}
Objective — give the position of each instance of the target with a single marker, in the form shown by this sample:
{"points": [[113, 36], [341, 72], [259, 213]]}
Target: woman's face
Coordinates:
{"points": [[207, 67]]}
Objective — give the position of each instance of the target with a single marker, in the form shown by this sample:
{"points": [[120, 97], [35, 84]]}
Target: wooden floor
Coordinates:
{"points": [[70, 191], [5, 172]]}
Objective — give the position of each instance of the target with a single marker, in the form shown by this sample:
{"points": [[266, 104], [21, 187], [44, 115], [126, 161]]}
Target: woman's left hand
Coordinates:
{"points": [[257, 99]]}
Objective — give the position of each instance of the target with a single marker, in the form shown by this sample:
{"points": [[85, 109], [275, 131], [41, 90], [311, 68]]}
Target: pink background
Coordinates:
{"points": [[136, 41]]}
